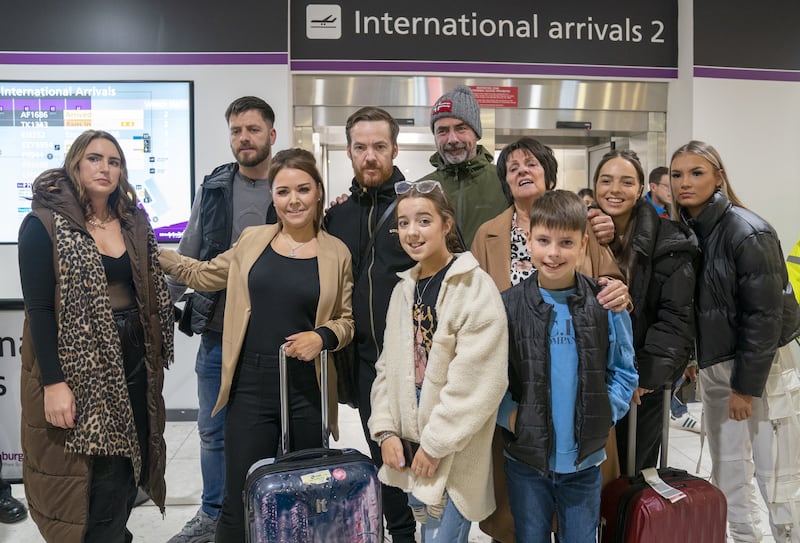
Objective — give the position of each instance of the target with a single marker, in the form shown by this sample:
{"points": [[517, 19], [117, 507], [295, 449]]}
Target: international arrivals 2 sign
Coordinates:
{"points": [[628, 38]]}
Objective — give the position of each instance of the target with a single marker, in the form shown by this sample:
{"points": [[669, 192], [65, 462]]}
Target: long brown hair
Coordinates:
{"points": [[622, 245], [121, 202]]}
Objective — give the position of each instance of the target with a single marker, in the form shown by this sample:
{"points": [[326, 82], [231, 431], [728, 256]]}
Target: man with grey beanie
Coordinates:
{"points": [[463, 167]]}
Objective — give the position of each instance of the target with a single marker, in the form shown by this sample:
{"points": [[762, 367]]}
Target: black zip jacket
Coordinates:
{"points": [[216, 217], [374, 273]]}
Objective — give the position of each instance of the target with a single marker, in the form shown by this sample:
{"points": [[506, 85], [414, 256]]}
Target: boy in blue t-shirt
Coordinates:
{"points": [[571, 377]]}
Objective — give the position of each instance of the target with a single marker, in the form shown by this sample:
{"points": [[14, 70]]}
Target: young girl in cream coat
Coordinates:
{"points": [[442, 372]]}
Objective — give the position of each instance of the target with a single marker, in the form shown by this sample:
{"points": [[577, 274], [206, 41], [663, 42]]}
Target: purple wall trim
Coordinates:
{"points": [[142, 58], [481, 67], [747, 73]]}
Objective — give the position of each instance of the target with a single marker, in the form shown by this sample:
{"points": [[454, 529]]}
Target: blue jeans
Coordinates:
{"points": [[677, 408], [450, 527], [208, 367], [535, 496]]}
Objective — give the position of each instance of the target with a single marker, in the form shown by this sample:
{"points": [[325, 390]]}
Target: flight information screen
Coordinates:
{"points": [[152, 120]]}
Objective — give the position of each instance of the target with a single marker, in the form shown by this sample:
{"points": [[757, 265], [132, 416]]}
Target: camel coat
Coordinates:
{"points": [[230, 270], [492, 249]]}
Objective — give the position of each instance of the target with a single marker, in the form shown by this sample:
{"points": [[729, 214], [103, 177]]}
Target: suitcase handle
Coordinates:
{"points": [[310, 454], [632, 416], [284, 393]]}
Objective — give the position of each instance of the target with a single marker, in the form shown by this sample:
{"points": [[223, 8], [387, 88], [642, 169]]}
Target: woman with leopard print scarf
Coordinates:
{"points": [[96, 339]]}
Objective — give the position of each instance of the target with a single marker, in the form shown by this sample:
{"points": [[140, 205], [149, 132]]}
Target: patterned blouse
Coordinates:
{"points": [[521, 263]]}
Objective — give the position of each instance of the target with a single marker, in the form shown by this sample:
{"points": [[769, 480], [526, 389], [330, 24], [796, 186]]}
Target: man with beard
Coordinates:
{"points": [[232, 197], [369, 211], [463, 167], [466, 172]]}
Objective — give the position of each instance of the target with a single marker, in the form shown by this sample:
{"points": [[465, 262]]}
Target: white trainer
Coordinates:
{"points": [[685, 422]]}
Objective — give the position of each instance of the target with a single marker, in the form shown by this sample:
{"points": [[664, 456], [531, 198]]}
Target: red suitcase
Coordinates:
{"points": [[314, 495], [632, 512]]}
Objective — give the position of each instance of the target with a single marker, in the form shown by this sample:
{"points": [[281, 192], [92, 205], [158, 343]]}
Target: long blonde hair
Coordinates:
{"points": [[707, 151]]}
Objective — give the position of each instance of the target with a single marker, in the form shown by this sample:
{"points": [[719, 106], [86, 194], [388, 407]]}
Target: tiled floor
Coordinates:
{"points": [[183, 481]]}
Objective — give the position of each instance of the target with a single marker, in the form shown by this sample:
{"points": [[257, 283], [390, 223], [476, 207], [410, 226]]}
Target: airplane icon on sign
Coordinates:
{"points": [[321, 23]]}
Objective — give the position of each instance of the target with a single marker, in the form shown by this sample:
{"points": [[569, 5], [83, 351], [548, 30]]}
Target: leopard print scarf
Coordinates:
{"points": [[89, 348]]}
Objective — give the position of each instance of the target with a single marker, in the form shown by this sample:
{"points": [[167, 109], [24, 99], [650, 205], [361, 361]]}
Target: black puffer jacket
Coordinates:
{"points": [[529, 371], [375, 272], [662, 288], [744, 304]]}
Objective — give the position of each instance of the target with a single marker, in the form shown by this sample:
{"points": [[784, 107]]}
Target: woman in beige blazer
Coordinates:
{"points": [[286, 283]]}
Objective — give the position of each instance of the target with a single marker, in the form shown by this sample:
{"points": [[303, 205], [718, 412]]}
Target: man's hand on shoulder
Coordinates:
{"points": [[339, 200]]}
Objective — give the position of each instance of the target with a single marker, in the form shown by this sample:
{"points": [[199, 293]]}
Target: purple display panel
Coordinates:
{"points": [[47, 104], [79, 103]]}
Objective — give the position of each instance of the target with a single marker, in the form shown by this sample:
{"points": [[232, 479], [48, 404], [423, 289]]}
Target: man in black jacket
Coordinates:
{"points": [[369, 211], [234, 196]]}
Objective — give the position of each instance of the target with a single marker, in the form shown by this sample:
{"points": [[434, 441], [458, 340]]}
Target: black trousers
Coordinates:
{"points": [[399, 518], [253, 427], [649, 426], [113, 487]]}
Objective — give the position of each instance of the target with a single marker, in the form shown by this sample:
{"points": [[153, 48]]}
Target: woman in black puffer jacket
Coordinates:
{"points": [[746, 315], [657, 258]]}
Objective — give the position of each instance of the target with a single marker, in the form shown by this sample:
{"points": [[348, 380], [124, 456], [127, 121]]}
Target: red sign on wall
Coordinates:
{"points": [[489, 96]]}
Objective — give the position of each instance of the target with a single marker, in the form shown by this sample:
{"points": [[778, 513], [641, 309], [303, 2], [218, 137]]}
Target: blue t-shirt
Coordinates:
{"points": [[563, 380], [622, 380]]}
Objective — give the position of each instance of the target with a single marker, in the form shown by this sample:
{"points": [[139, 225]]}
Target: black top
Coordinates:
{"points": [[426, 291], [37, 275], [119, 275], [284, 295], [423, 313]]}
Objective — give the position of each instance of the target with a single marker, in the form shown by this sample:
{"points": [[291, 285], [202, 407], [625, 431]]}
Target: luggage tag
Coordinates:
{"points": [[667, 492]]}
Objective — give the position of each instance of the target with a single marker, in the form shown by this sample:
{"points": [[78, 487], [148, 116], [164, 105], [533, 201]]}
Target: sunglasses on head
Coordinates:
{"points": [[423, 187]]}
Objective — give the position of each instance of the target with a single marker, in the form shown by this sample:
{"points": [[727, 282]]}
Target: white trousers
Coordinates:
{"points": [[767, 446]]}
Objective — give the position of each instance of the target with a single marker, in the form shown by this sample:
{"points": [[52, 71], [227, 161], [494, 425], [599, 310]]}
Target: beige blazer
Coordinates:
{"points": [[230, 271], [492, 249]]}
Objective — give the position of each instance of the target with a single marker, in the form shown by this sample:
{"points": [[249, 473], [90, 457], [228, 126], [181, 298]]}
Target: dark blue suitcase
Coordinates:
{"points": [[315, 495]]}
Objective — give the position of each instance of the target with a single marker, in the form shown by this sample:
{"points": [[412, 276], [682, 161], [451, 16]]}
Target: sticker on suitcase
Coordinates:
{"points": [[316, 505]]}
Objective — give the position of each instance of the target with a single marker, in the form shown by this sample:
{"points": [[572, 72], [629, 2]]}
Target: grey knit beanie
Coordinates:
{"points": [[459, 103]]}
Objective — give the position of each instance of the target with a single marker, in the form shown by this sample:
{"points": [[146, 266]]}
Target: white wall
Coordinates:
{"points": [[680, 102], [754, 126], [214, 88]]}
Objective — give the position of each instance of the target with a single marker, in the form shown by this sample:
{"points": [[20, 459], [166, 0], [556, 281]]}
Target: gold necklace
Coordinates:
{"points": [[293, 249], [92, 219]]}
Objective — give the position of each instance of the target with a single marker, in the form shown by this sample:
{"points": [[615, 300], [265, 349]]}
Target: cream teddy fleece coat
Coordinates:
{"points": [[465, 379]]}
